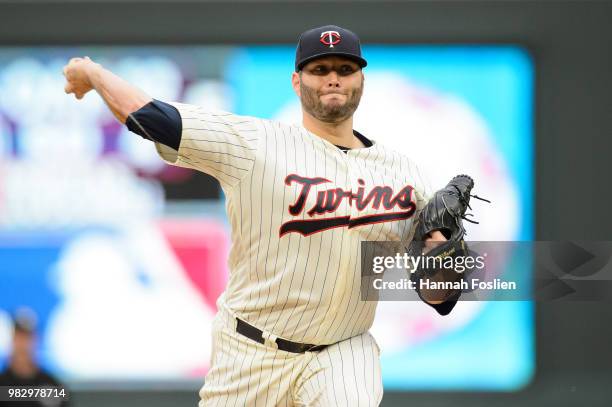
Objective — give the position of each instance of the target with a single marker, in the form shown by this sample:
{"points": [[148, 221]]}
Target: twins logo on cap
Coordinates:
{"points": [[330, 38], [325, 41]]}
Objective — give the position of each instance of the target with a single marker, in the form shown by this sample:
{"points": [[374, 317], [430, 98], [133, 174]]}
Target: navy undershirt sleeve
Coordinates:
{"points": [[158, 121]]}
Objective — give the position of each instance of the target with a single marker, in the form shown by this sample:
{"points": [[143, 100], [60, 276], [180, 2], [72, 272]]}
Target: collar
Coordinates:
{"points": [[366, 142]]}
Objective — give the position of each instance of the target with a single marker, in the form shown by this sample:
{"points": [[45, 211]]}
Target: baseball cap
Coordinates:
{"points": [[327, 40]]}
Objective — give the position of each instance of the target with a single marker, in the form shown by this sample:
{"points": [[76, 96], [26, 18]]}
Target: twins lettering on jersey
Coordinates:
{"points": [[329, 200]]}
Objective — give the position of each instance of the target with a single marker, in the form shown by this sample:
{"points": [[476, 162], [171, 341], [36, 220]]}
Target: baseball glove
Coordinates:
{"points": [[445, 212]]}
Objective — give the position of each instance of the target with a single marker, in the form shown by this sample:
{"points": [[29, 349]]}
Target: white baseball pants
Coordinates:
{"points": [[246, 373]]}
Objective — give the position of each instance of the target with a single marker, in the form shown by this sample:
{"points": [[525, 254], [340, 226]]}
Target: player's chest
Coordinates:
{"points": [[322, 190]]}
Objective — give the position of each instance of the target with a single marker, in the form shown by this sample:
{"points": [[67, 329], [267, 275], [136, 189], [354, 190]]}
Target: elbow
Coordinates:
{"points": [[132, 107], [138, 103], [444, 308]]}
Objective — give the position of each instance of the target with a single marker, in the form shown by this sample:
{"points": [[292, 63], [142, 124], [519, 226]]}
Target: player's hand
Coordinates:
{"points": [[433, 239], [77, 74]]}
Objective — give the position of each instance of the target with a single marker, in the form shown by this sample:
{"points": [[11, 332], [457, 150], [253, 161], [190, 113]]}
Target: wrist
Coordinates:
{"points": [[93, 71]]}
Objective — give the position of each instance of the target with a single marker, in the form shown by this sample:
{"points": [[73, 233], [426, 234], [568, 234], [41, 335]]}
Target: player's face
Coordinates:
{"points": [[330, 88], [23, 342]]}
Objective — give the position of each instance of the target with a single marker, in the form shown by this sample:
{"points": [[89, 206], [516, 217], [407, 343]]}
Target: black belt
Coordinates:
{"points": [[257, 335]]}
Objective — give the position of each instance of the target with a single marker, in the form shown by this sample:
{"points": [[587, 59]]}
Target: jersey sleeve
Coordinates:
{"points": [[424, 191], [424, 194], [217, 143], [158, 122]]}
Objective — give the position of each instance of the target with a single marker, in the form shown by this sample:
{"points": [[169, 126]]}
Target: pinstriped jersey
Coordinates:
{"points": [[299, 208]]}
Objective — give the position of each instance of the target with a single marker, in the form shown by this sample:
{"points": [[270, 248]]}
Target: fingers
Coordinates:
{"points": [[430, 244], [69, 88], [73, 61], [78, 59], [436, 235], [73, 76]]}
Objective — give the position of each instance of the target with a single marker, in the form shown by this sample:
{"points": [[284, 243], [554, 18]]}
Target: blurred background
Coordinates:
{"points": [[121, 258]]}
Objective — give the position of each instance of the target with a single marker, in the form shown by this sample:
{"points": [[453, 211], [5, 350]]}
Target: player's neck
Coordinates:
{"points": [[340, 134], [23, 366]]}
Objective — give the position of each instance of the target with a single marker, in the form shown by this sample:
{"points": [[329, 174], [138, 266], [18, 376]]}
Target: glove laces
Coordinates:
{"points": [[464, 216]]}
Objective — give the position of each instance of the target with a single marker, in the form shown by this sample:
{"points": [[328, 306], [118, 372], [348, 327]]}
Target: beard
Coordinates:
{"points": [[333, 112]]}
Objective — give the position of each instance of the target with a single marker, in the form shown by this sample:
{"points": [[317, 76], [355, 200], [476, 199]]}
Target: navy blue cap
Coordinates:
{"points": [[24, 320], [325, 41]]}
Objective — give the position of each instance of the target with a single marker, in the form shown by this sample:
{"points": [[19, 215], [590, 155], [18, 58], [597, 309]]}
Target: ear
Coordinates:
{"points": [[295, 83]]}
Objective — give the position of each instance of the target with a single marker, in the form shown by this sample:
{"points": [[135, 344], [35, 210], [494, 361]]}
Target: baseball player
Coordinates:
{"points": [[291, 328]]}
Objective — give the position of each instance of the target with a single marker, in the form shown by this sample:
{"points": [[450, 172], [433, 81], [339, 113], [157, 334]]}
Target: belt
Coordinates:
{"points": [[256, 334]]}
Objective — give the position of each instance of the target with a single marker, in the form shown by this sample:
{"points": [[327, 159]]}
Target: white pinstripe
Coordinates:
{"points": [[301, 288], [337, 373]]}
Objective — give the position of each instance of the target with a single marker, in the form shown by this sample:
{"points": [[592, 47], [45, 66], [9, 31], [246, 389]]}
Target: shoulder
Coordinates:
{"points": [[395, 158], [5, 377], [45, 377], [289, 128], [408, 169], [272, 129], [195, 112]]}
